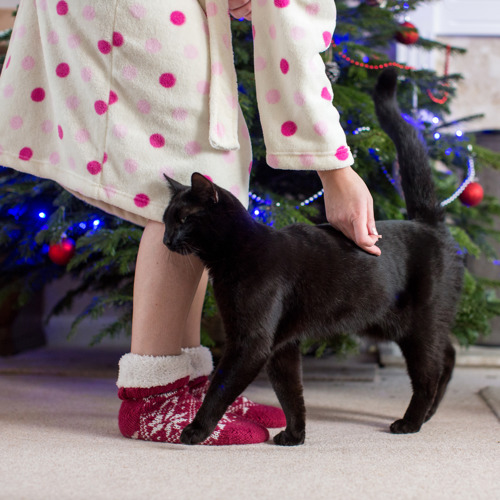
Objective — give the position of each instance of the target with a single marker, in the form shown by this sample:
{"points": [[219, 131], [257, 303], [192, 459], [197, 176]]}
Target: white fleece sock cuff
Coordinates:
{"points": [[136, 370], [201, 361]]}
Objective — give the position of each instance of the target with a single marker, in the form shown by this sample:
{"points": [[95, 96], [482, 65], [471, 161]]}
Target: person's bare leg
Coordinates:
{"points": [[191, 336], [165, 287]]}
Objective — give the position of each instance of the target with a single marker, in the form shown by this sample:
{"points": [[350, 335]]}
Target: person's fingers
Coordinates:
{"points": [[362, 238], [241, 9]]}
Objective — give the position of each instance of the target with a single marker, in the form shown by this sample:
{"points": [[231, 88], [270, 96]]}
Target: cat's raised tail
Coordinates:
{"points": [[416, 179]]}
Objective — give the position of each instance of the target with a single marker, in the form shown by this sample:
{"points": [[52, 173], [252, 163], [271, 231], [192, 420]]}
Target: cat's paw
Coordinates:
{"points": [[287, 438], [403, 426], [193, 435]]}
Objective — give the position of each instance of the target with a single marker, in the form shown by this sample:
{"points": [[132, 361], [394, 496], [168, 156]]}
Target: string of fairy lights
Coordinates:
{"points": [[471, 173]]}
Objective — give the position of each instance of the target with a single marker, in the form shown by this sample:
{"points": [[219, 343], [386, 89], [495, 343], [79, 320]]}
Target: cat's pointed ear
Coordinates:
{"points": [[175, 187], [204, 188]]}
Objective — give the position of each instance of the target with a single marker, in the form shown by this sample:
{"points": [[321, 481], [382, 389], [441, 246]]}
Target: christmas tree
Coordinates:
{"points": [[45, 232]]}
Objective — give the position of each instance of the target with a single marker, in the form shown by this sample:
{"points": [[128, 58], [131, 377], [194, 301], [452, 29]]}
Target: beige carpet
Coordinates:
{"points": [[59, 440]]}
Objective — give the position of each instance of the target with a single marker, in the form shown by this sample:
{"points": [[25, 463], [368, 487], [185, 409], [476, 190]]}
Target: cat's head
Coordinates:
{"points": [[198, 215]]}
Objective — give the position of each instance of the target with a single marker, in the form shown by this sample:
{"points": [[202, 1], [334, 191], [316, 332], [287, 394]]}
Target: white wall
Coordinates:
{"points": [[6, 4]]}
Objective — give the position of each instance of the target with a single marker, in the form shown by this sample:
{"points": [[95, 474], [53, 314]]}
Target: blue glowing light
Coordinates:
{"points": [[256, 212], [82, 225], [42, 215], [435, 120], [437, 136], [96, 222], [459, 133], [366, 59], [448, 152]]}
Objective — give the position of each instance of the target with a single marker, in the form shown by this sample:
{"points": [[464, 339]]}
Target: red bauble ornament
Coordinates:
{"points": [[61, 253], [472, 195], [408, 35]]}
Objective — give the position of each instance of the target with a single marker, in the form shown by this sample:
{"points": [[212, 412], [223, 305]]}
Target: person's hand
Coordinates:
{"points": [[349, 207], [241, 9]]}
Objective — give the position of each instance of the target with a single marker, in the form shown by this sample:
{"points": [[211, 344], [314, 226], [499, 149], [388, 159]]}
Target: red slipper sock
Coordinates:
{"points": [[156, 403], [202, 366]]}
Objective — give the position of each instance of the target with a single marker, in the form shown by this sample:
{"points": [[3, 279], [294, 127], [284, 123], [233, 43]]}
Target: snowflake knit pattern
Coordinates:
{"points": [[267, 416], [161, 413]]}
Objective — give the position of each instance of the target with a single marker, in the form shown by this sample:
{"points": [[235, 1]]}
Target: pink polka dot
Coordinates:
{"points": [[104, 158], [47, 127], [38, 95], [26, 154], [250, 168], [82, 136], [288, 128], [190, 51], [177, 18], [312, 9], [167, 80], [307, 160], [284, 66], [94, 167], [260, 63], [321, 128], [62, 8], [113, 97], [203, 87], [138, 11], [325, 94], [117, 39], [120, 131], [217, 68], [54, 158], [253, 32], [299, 98], [226, 40], [7, 64], [28, 63], [8, 91], [179, 114], [230, 156], [153, 46], [272, 161], [110, 191], [141, 200], [86, 74], [262, 2], [88, 13], [157, 141], [62, 70], [281, 3], [104, 46], [100, 107], [74, 41], [42, 4], [272, 31], [129, 72], [16, 122], [53, 38], [342, 153], [72, 102], [60, 132], [130, 166], [221, 130], [208, 177], [232, 101], [327, 37], [211, 9], [273, 96], [298, 33], [192, 148], [235, 190], [144, 107]]}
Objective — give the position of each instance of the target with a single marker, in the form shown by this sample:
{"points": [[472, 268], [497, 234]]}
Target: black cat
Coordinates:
{"points": [[276, 287]]}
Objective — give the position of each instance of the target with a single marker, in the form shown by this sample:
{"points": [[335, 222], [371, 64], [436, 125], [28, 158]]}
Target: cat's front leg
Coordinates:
{"points": [[285, 372], [236, 370]]}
